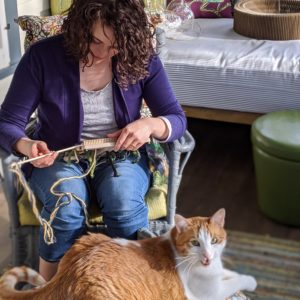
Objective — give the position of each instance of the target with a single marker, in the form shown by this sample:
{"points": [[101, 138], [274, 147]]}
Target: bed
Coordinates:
{"points": [[218, 74]]}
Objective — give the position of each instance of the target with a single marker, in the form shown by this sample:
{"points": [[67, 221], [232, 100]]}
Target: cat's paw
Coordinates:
{"points": [[249, 283]]}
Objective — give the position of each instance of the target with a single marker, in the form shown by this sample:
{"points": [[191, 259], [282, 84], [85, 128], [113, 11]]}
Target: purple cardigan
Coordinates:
{"points": [[47, 78]]}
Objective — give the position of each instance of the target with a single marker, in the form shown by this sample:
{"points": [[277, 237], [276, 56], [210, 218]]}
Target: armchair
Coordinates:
{"points": [[24, 238], [24, 233]]}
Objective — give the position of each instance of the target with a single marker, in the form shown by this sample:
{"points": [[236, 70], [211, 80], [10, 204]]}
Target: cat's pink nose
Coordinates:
{"points": [[208, 255], [205, 261]]}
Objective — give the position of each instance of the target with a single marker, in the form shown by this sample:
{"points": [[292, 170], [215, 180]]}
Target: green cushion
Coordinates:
{"points": [[59, 7], [278, 133], [156, 199]]}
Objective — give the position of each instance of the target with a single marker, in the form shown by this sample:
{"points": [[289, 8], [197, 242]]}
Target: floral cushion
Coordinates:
{"points": [[205, 9], [38, 27]]}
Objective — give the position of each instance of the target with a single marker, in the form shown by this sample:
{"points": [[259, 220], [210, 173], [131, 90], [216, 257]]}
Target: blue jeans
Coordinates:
{"points": [[121, 200]]}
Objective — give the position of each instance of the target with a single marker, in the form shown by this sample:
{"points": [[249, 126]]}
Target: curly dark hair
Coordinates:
{"points": [[131, 27]]}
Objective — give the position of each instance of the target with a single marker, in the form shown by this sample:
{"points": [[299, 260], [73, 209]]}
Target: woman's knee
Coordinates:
{"points": [[124, 201], [59, 177], [68, 214], [66, 199], [125, 215], [125, 224]]}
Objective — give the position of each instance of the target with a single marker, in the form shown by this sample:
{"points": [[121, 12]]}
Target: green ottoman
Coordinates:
{"points": [[276, 150]]}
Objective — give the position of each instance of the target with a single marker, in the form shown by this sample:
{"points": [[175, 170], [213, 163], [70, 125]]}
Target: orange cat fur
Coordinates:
{"points": [[184, 263]]}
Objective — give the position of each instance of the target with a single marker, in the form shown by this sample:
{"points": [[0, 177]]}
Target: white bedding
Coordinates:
{"points": [[222, 69]]}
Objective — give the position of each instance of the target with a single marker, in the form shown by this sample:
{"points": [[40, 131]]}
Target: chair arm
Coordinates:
{"points": [[3, 154], [178, 154], [179, 151], [9, 188], [185, 145]]}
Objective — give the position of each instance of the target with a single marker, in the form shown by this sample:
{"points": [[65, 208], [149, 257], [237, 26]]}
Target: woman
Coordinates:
{"points": [[88, 83]]}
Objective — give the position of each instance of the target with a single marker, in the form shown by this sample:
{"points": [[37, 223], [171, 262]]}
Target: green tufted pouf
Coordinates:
{"points": [[276, 150]]}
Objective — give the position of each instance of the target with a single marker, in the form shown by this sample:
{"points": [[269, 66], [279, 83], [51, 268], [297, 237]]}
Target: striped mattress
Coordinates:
{"points": [[214, 67]]}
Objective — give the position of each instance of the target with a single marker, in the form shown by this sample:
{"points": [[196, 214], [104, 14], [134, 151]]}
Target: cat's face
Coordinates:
{"points": [[202, 239]]}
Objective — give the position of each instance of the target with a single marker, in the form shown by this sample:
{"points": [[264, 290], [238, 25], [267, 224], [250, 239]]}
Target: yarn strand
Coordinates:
{"points": [[49, 237]]}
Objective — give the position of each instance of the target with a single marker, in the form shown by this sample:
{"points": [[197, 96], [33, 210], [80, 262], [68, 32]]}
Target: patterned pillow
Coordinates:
{"points": [[205, 9], [38, 27]]}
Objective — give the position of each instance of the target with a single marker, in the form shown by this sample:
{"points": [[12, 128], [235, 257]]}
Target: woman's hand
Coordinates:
{"points": [[137, 133], [33, 148]]}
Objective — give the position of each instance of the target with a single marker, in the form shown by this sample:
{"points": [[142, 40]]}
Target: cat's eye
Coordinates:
{"points": [[214, 240], [195, 243]]}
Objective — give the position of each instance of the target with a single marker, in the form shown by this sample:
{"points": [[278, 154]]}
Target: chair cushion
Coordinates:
{"points": [[155, 199], [59, 7], [26, 216]]}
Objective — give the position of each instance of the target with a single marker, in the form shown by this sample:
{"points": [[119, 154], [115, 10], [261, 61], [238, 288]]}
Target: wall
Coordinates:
{"points": [[25, 7], [4, 84], [4, 50], [32, 7]]}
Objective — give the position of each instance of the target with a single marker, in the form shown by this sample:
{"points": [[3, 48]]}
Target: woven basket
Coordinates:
{"points": [[267, 19]]}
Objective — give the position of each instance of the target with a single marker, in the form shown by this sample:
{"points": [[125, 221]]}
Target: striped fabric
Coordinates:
{"points": [[275, 263], [223, 70], [233, 89]]}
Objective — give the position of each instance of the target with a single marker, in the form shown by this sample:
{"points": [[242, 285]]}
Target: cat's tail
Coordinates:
{"points": [[19, 274]]}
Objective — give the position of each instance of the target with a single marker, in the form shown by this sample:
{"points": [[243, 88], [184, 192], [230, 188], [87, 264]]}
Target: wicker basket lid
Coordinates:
{"points": [[268, 19]]}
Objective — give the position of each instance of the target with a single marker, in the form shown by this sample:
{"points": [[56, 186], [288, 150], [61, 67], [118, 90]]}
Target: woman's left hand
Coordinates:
{"points": [[133, 136]]}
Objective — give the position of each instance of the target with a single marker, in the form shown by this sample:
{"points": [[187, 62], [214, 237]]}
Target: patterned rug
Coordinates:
{"points": [[275, 263]]}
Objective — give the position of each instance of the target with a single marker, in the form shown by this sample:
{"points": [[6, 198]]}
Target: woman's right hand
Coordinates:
{"points": [[34, 148]]}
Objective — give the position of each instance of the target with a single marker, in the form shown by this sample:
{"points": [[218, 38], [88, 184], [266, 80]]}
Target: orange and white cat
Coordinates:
{"points": [[184, 263]]}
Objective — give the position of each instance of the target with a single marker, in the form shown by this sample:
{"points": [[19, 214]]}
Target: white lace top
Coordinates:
{"points": [[98, 108]]}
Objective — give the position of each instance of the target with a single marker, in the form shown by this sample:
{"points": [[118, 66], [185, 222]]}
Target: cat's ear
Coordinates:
{"points": [[219, 217], [181, 223]]}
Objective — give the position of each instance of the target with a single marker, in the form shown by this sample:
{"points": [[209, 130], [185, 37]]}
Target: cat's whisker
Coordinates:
{"points": [[184, 257], [181, 257], [187, 267], [183, 261], [190, 266], [180, 263], [188, 258]]}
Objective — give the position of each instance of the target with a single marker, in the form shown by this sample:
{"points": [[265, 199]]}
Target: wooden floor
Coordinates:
{"points": [[220, 173]]}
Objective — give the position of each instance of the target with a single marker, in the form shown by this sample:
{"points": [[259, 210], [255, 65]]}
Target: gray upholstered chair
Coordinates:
{"points": [[24, 234]]}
